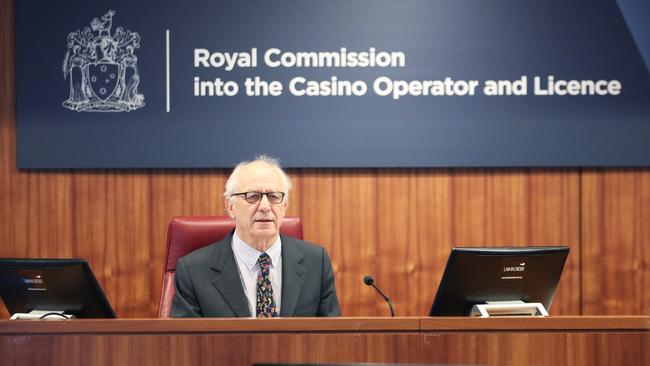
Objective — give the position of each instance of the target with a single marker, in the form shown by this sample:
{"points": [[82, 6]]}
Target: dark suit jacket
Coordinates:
{"points": [[207, 282]]}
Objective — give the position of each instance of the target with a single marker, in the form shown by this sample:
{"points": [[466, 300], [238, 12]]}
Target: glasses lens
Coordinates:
{"points": [[253, 197], [275, 197]]}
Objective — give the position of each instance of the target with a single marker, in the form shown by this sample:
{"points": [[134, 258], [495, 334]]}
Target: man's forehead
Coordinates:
{"points": [[260, 174]]}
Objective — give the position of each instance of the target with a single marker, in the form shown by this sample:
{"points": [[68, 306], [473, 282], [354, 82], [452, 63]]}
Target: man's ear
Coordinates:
{"points": [[229, 208]]}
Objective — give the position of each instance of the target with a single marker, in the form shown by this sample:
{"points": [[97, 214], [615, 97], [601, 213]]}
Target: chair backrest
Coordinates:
{"points": [[186, 234]]}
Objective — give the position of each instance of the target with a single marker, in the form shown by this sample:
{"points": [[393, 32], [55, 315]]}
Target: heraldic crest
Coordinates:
{"points": [[102, 69]]}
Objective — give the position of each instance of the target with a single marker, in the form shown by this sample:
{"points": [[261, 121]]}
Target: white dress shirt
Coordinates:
{"points": [[246, 257]]}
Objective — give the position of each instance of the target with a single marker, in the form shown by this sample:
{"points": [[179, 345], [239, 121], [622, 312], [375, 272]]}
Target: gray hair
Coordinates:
{"points": [[232, 181]]}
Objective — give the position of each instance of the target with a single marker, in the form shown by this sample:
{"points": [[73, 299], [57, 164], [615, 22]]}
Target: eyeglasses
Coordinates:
{"points": [[254, 197]]}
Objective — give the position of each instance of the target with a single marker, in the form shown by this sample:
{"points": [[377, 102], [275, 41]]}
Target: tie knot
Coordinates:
{"points": [[264, 260]]}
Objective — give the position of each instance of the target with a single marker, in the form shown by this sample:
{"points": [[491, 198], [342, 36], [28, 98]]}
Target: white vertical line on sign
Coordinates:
{"points": [[167, 69]]}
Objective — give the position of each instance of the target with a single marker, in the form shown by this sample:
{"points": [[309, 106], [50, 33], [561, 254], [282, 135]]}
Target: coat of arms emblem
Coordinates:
{"points": [[102, 68]]}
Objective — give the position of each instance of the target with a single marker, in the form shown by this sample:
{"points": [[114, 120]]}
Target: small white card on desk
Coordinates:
{"points": [[42, 314]]}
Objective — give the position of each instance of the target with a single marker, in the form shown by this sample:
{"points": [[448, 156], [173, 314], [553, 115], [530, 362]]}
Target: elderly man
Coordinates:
{"points": [[255, 271]]}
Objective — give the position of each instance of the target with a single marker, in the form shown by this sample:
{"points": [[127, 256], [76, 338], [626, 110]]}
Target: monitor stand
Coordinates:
{"points": [[504, 308], [42, 314]]}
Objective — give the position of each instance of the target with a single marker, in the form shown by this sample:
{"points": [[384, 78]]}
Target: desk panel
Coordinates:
{"points": [[502, 341]]}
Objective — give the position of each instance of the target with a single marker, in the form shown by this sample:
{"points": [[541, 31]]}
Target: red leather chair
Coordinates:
{"points": [[188, 233]]}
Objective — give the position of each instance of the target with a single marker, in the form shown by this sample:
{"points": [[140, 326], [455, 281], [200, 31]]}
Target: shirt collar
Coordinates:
{"points": [[250, 255]]}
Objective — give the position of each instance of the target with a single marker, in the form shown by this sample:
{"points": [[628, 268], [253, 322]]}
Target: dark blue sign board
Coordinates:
{"points": [[337, 83]]}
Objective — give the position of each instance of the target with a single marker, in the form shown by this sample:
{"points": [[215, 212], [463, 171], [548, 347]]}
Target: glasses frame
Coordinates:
{"points": [[262, 194]]}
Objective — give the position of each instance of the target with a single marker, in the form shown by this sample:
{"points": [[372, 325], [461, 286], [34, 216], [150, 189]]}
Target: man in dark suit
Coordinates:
{"points": [[255, 271]]}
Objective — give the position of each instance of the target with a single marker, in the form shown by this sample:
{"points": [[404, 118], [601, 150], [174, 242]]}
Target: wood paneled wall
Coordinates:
{"points": [[397, 224], [616, 242]]}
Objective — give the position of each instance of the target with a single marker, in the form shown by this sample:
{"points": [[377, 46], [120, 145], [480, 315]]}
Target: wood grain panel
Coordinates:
{"points": [[494, 341], [616, 236], [129, 245], [553, 348], [431, 219], [481, 348], [221, 349], [394, 240], [48, 223]]}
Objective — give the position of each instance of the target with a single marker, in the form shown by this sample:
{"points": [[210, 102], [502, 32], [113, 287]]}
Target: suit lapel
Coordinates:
{"points": [[227, 279], [293, 276]]}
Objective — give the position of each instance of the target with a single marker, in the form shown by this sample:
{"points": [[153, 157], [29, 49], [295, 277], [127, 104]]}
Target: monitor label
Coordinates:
{"points": [[513, 268], [34, 280]]}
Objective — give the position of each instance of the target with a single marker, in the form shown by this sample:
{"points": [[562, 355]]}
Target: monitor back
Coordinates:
{"points": [[67, 285], [475, 275]]}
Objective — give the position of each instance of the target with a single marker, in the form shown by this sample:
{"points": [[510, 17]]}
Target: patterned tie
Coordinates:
{"points": [[265, 304]]}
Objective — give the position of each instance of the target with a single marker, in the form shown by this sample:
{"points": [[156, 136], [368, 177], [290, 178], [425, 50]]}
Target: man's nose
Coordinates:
{"points": [[264, 205]]}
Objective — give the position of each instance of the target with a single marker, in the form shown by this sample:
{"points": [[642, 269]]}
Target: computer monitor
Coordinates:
{"points": [[66, 285], [478, 275]]}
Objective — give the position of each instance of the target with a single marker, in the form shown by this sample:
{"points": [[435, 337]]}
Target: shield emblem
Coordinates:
{"points": [[103, 78]]}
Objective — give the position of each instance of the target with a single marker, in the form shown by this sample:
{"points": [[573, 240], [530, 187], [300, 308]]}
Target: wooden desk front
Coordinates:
{"points": [[497, 341]]}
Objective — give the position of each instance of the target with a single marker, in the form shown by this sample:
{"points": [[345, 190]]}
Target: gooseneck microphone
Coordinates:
{"points": [[369, 281]]}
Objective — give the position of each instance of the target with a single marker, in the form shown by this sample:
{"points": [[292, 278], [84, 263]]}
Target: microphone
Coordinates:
{"points": [[369, 281]]}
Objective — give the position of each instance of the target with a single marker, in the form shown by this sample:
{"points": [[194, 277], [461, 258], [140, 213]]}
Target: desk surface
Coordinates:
{"points": [[317, 325], [561, 340]]}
